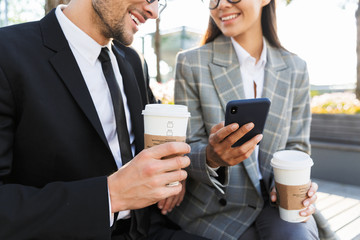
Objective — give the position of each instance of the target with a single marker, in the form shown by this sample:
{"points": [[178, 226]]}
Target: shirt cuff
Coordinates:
{"points": [[212, 171], [110, 213], [213, 175]]}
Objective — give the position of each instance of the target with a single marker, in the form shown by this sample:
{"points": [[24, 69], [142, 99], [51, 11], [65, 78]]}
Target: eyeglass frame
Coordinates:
{"points": [[217, 4], [163, 6]]}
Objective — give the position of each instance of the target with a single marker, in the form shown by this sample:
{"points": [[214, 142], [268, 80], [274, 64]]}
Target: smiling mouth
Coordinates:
{"points": [[136, 21], [230, 17]]}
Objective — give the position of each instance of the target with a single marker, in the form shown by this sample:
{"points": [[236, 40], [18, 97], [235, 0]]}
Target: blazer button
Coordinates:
{"points": [[223, 202]]}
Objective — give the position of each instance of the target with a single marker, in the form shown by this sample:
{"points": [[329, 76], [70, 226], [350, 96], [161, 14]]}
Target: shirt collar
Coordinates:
{"points": [[263, 55], [243, 55], [78, 39]]}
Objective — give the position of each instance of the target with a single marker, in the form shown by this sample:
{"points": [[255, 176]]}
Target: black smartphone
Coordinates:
{"points": [[248, 110]]}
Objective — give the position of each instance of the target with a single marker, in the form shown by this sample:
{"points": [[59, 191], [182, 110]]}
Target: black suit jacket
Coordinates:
{"points": [[54, 157]]}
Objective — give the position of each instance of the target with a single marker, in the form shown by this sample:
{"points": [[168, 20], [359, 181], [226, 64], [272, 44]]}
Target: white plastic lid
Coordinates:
{"points": [[291, 160], [166, 110]]}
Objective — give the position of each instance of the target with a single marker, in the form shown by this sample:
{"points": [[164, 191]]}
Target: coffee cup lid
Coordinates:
{"points": [[291, 160], [166, 110]]}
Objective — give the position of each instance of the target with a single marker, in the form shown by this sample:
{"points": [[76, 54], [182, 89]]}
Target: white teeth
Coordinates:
{"points": [[229, 17], [135, 19]]}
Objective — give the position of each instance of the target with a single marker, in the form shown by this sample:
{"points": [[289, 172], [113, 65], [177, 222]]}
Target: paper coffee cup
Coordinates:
{"points": [[165, 123], [292, 179]]}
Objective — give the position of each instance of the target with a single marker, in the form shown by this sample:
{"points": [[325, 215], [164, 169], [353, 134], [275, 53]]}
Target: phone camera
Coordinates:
{"points": [[233, 110]]}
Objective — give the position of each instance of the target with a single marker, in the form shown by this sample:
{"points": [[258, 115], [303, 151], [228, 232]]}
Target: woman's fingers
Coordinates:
{"points": [[308, 212], [313, 189], [273, 195], [168, 204]]}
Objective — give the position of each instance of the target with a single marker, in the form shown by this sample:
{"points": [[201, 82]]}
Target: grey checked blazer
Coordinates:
{"points": [[206, 79]]}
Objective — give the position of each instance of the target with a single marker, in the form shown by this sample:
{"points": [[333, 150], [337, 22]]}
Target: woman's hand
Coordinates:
{"points": [[168, 204], [308, 202], [219, 151]]}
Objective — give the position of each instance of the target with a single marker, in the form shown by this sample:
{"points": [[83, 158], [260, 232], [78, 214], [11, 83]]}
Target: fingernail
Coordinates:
{"points": [[164, 212], [306, 203], [273, 198], [234, 127], [311, 193], [249, 126], [303, 214], [161, 207], [259, 137]]}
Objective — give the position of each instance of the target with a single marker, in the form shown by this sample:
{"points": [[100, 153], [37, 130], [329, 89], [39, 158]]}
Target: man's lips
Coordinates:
{"points": [[137, 21], [137, 18]]}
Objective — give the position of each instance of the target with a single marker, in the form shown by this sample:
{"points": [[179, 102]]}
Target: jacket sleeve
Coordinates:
{"points": [[58, 210]]}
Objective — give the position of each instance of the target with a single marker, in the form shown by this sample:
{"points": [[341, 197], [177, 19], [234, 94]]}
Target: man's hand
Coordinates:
{"points": [[143, 181], [168, 204], [219, 151], [308, 202]]}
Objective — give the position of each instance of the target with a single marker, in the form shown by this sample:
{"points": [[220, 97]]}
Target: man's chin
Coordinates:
{"points": [[127, 41]]}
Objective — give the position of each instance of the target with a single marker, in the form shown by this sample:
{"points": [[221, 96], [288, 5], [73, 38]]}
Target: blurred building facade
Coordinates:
{"points": [[172, 41]]}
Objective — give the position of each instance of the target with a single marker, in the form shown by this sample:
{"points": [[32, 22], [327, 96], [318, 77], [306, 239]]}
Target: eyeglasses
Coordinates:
{"points": [[161, 5], [212, 4]]}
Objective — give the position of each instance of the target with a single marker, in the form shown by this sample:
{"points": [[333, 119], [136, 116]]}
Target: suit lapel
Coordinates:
{"points": [[133, 97], [67, 68], [276, 87]]}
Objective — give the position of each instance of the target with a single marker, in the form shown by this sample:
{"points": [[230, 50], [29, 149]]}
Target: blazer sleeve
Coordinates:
{"points": [[186, 93], [58, 209]]}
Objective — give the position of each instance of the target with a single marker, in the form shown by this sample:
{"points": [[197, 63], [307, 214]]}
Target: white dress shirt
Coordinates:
{"points": [[251, 72], [86, 52]]}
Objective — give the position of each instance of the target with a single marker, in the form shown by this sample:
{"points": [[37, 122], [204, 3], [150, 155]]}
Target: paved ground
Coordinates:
{"points": [[340, 204]]}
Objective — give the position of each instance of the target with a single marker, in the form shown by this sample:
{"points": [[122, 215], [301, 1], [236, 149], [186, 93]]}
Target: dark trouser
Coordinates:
{"points": [[269, 225], [162, 228], [121, 230]]}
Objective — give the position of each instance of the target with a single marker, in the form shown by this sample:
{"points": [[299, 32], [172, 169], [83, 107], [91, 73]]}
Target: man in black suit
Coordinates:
{"points": [[61, 172]]}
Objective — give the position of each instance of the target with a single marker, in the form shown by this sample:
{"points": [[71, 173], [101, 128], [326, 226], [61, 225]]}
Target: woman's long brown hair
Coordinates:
{"points": [[268, 24]]}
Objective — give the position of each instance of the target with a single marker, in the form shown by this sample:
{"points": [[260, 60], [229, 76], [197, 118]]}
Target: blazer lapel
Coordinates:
{"points": [[133, 98], [276, 87], [225, 69], [67, 68]]}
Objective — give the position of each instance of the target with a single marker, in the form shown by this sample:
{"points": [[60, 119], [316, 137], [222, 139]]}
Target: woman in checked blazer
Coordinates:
{"points": [[230, 191]]}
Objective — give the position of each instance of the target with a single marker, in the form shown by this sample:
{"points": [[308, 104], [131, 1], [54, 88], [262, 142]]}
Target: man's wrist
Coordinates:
{"points": [[116, 203]]}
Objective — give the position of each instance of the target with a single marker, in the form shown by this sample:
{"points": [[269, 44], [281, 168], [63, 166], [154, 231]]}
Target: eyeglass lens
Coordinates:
{"points": [[212, 4], [161, 4]]}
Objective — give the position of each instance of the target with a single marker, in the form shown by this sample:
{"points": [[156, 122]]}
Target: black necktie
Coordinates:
{"points": [[121, 127]]}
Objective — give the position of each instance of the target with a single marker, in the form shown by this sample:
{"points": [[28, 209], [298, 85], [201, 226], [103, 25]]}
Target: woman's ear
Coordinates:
{"points": [[265, 2]]}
